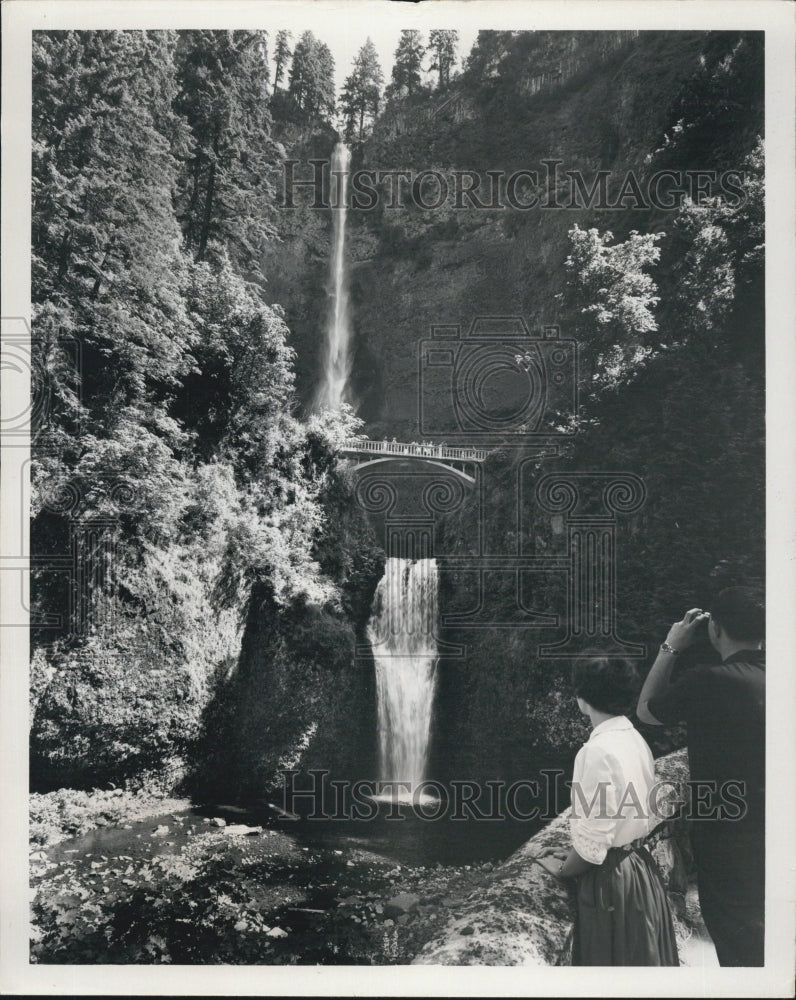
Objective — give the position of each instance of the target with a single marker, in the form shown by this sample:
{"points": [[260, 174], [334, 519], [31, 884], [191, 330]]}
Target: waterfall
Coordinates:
{"points": [[401, 632], [337, 365]]}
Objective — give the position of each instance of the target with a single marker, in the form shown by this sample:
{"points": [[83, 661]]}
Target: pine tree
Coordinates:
{"points": [[408, 63], [361, 94], [443, 46], [281, 55]]}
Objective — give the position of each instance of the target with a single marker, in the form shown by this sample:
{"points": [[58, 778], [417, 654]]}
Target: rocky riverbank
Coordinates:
{"points": [[186, 887]]}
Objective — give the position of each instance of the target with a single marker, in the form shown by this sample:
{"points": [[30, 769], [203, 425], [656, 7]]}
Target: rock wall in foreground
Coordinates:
{"points": [[525, 917]]}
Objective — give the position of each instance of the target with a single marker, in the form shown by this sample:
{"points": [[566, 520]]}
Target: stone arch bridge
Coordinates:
{"points": [[461, 461]]}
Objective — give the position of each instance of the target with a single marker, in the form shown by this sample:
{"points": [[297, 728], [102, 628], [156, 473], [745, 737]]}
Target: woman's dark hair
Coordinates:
{"points": [[608, 684]]}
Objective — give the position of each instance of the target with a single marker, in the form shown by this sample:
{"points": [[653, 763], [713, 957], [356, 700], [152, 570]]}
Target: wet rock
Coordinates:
{"points": [[403, 919], [401, 903], [241, 830], [469, 929]]}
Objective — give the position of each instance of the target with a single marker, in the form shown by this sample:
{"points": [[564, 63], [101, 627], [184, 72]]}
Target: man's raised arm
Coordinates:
{"points": [[681, 635]]}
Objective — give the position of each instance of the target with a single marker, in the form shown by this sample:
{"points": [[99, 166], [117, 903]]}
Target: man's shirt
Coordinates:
{"points": [[724, 709]]}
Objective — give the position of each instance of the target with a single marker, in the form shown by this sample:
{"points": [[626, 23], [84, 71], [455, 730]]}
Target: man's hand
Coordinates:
{"points": [[684, 633]]}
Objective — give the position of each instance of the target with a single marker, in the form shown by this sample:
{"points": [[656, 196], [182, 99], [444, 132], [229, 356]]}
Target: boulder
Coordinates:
{"points": [[402, 903], [241, 830]]}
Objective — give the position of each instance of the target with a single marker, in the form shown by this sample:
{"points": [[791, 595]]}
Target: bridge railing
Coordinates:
{"points": [[414, 449]]}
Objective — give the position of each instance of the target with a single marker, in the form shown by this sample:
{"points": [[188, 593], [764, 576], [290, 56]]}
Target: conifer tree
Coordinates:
{"points": [[442, 45], [312, 77], [362, 92], [281, 55], [408, 63], [106, 258], [225, 195]]}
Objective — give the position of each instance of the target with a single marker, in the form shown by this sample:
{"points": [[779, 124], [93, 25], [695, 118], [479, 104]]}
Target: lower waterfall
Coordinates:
{"points": [[401, 631]]}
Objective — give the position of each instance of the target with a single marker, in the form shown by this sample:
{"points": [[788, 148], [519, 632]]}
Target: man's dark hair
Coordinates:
{"points": [[609, 684], [741, 613]]}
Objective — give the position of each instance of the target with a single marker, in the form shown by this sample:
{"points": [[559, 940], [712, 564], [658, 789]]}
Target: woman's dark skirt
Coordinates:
{"points": [[623, 913]]}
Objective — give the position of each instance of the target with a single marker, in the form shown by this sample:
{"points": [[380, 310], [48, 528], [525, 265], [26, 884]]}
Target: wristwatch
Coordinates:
{"points": [[666, 648]]}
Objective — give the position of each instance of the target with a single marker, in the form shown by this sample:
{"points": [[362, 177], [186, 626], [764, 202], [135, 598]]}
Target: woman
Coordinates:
{"points": [[623, 913]]}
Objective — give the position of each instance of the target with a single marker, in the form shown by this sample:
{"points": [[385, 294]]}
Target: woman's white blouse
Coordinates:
{"points": [[612, 790]]}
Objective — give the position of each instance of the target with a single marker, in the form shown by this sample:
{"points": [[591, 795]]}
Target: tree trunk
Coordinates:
{"points": [[208, 211], [63, 262], [191, 213]]}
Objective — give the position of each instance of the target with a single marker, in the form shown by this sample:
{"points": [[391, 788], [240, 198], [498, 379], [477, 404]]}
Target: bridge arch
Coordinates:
{"points": [[415, 460]]}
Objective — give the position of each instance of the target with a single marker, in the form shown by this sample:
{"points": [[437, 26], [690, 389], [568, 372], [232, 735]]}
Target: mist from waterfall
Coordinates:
{"points": [[337, 364], [401, 631]]}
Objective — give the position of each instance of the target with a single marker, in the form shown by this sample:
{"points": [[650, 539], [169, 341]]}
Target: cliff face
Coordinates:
{"points": [[610, 101], [622, 103]]}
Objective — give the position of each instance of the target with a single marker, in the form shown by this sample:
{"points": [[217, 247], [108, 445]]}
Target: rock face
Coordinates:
{"points": [[525, 917]]}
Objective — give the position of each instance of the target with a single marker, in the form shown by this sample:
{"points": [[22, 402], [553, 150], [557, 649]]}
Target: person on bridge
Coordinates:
{"points": [[723, 707]]}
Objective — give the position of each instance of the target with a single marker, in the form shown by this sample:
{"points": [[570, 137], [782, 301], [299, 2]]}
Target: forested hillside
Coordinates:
{"points": [[213, 640], [153, 176]]}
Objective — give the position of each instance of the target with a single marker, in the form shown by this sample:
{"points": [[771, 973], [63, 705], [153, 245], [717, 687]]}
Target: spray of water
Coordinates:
{"points": [[401, 631], [337, 364]]}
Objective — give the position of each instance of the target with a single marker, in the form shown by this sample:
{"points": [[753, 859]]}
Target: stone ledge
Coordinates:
{"points": [[524, 917]]}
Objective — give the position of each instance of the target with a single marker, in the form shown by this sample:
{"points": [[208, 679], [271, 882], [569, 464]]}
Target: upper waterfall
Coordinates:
{"points": [[337, 365]]}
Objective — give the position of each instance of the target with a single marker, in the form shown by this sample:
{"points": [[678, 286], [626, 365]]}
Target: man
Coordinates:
{"points": [[724, 709]]}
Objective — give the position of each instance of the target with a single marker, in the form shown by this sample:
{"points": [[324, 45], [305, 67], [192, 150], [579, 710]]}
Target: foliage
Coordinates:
{"points": [[359, 101], [281, 55], [68, 812], [312, 77], [175, 436], [487, 55], [406, 70], [224, 195], [614, 293], [442, 46]]}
